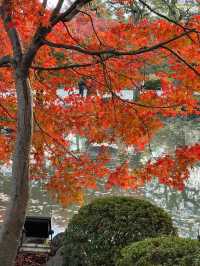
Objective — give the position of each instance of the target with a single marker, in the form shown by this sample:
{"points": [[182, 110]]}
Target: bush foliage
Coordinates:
{"points": [[167, 251], [100, 229]]}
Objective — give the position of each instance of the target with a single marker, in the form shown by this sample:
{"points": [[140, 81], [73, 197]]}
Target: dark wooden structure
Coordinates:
{"points": [[38, 227], [36, 238]]}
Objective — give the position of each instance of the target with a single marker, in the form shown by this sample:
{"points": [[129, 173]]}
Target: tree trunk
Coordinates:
{"points": [[15, 215]]}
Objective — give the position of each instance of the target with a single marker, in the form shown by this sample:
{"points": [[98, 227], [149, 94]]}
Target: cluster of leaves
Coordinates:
{"points": [[172, 170]]}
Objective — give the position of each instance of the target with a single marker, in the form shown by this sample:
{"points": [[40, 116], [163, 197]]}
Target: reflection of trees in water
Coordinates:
{"points": [[41, 204], [176, 133], [183, 206]]}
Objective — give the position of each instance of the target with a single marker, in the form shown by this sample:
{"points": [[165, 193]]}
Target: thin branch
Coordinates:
{"points": [[44, 4], [56, 10], [71, 12], [93, 27], [69, 33], [56, 17], [69, 66], [144, 105], [161, 15], [182, 60], [113, 51], [54, 139], [65, 66], [166, 18], [108, 83]]}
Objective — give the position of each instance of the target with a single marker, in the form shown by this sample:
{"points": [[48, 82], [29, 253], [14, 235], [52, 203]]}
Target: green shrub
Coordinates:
{"points": [[97, 233], [167, 251]]}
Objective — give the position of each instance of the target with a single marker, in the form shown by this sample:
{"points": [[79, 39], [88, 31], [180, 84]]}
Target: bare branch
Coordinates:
{"points": [[93, 27], [69, 33], [44, 4], [56, 10], [71, 12], [65, 66], [161, 15], [182, 60], [144, 105], [70, 66]]}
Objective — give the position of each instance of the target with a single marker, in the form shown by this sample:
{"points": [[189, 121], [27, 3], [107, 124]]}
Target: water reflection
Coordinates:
{"points": [[184, 206]]}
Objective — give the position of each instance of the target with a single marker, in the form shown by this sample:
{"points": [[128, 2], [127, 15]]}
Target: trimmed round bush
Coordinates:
{"points": [[167, 251], [97, 233]]}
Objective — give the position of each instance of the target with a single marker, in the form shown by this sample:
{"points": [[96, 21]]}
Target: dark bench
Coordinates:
{"points": [[37, 235]]}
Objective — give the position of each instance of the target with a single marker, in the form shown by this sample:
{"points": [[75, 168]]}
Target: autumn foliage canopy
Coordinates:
{"points": [[110, 54]]}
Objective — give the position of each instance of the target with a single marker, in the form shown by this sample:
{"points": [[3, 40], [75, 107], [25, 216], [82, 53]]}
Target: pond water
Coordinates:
{"points": [[184, 207]]}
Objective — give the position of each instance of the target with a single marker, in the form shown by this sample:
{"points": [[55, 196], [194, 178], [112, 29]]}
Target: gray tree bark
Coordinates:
{"points": [[15, 215], [21, 62]]}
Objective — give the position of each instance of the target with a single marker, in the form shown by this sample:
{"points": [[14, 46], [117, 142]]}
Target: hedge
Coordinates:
{"points": [[167, 251], [97, 233]]}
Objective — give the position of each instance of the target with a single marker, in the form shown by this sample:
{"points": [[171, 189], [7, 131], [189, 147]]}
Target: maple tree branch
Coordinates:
{"points": [[5, 61], [56, 10], [127, 77], [182, 60], [44, 4], [93, 27], [69, 66], [71, 12], [144, 105], [54, 139], [5, 13], [42, 31], [108, 82], [113, 51], [69, 33], [161, 15], [165, 17], [65, 66]]}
